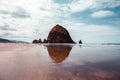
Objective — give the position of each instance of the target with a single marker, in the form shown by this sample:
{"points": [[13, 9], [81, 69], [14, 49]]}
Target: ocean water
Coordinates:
{"points": [[59, 62]]}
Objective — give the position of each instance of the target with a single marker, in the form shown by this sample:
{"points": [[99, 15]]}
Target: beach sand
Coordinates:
{"points": [[39, 62]]}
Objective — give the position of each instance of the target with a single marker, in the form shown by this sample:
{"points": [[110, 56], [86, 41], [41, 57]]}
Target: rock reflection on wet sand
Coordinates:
{"points": [[58, 52], [39, 62]]}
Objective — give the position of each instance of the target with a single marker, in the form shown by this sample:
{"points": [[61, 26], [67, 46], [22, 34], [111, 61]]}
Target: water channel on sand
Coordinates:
{"points": [[59, 62]]}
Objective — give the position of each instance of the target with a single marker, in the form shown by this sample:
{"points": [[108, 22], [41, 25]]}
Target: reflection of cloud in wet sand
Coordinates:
{"points": [[109, 70], [58, 53]]}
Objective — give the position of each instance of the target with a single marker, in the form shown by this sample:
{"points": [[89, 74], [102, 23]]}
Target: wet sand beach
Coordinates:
{"points": [[59, 62]]}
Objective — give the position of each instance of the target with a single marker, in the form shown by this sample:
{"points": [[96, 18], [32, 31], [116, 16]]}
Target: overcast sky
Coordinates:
{"points": [[92, 21]]}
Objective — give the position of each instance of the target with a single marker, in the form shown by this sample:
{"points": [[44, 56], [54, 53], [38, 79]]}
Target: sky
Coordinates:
{"points": [[92, 21]]}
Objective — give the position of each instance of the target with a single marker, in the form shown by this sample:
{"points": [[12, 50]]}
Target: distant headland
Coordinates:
{"points": [[58, 34]]}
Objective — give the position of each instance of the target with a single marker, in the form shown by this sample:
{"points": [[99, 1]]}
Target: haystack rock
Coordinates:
{"points": [[59, 34]]}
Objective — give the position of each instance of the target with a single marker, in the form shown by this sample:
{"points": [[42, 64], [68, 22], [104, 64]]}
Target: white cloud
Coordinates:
{"points": [[81, 5], [44, 14], [20, 13], [102, 14], [101, 4], [93, 33]]}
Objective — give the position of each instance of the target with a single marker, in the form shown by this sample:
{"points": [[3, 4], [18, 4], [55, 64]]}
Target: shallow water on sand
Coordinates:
{"points": [[59, 62]]}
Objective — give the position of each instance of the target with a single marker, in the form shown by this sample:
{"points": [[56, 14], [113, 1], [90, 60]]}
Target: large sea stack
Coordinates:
{"points": [[59, 34]]}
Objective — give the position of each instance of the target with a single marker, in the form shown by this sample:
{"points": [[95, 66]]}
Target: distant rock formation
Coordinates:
{"points": [[10, 41], [40, 41], [80, 42], [59, 34], [5, 41], [58, 53], [37, 41]]}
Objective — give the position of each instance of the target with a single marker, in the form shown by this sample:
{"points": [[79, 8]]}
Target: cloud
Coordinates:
{"points": [[33, 19], [6, 27], [102, 4], [20, 13], [82, 5], [6, 34], [4, 12], [102, 14]]}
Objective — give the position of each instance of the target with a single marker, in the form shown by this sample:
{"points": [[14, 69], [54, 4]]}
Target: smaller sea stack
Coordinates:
{"points": [[37, 41], [80, 42]]}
